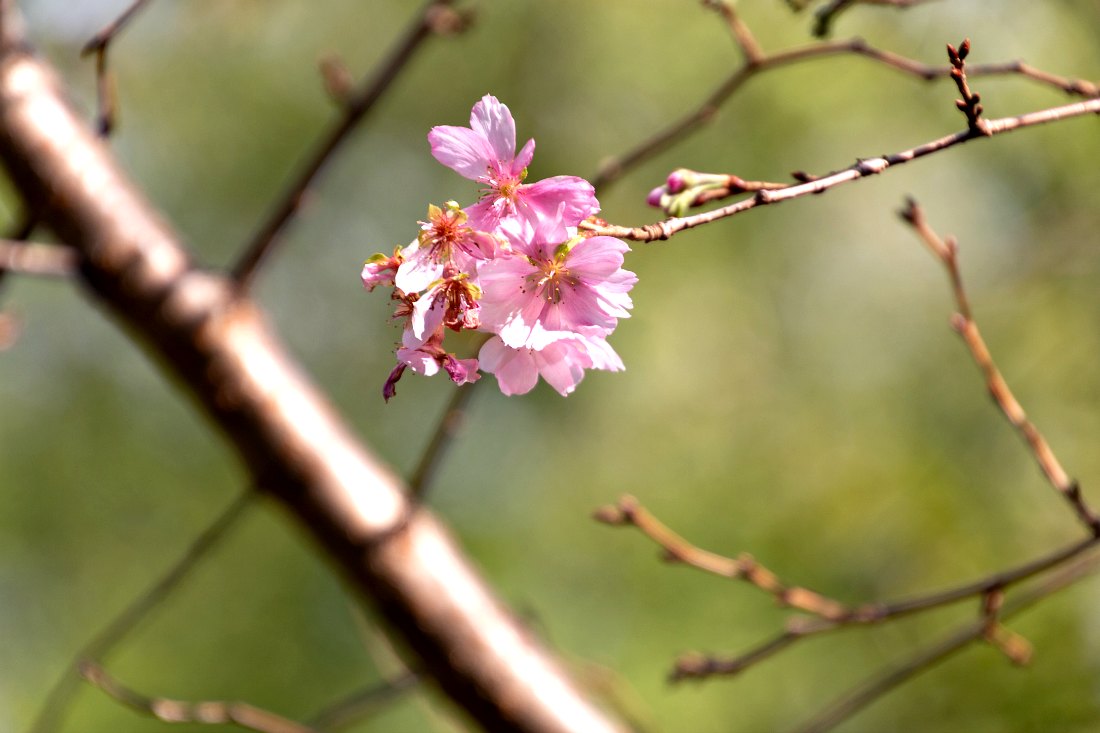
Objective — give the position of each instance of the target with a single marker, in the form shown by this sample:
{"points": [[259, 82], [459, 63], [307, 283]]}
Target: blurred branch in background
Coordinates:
{"points": [[882, 683], [964, 324], [215, 343], [55, 705], [757, 62], [861, 169], [106, 95], [827, 614], [211, 712], [436, 18]]}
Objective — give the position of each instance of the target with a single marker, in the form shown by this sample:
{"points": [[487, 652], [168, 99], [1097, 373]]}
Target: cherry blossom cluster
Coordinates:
{"points": [[512, 265]]}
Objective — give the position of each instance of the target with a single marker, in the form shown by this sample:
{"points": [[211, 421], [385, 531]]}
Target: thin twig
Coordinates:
{"points": [[363, 703], [57, 700], [105, 88], [446, 429], [964, 324], [744, 567], [970, 104], [824, 16], [33, 258], [212, 712], [435, 17], [828, 614], [664, 229], [614, 168], [863, 695], [740, 31]]}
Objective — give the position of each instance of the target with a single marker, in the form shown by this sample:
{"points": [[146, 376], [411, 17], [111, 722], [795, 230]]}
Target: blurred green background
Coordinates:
{"points": [[793, 388]]}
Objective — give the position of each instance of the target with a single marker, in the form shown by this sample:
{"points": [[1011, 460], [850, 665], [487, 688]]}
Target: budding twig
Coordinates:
{"points": [[863, 168], [214, 712], [827, 614], [629, 512], [880, 684], [614, 168], [964, 324], [436, 18], [970, 104]]}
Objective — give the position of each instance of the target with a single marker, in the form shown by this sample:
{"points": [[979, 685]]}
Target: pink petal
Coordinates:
{"points": [[462, 150], [523, 159], [562, 364], [493, 122], [541, 199], [514, 369]]}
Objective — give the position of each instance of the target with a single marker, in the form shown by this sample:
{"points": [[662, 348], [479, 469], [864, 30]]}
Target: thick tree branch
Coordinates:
{"points": [[215, 343]]}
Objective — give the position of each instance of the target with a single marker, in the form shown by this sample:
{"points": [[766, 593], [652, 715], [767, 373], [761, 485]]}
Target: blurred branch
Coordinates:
{"points": [[740, 31], [214, 341], [825, 15], [105, 89], [827, 614], [446, 429], [880, 684], [744, 567], [56, 703], [363, 703], [435, 18], [963, 323], [865, 167], [613, 169], [33, 258], [213, 712]]}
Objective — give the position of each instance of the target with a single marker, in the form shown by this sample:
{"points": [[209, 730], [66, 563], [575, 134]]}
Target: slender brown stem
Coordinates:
{"points": [[107, 34], [213, 712], [874, 688], [107, 102], [740, 31], [697, 666], [828, 614], [435, 17], [446, 429], [629, 512], [56, 703], [665, 229], [614, 168], [363, 703], [824, 17], [965, 325]]}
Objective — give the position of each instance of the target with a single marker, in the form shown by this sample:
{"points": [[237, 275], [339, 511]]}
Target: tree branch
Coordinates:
{"points": [[964, 324], [614, 168], [52, 711], [210, 712], [867, 167], [435, 17], [214, 342]]}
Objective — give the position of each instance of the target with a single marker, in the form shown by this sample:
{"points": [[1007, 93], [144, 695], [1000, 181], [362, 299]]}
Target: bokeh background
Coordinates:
{"points": [[793, 388]]}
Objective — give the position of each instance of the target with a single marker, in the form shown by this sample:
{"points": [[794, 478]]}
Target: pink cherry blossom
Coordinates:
{"points": [[550, 285], [486, 152], [381, 269], [445, 239], [427, 359], [560, 363]]}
